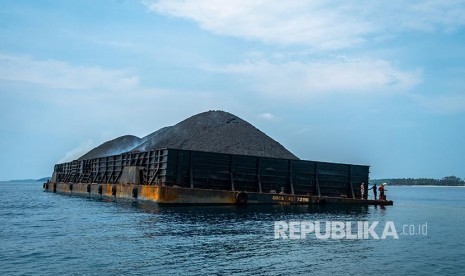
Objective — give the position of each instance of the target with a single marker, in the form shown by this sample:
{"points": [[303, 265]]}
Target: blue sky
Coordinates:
{"points": [[370, 82]]}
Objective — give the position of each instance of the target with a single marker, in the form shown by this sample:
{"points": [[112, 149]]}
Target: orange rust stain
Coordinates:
{"points": [[147, 192], [158, 194], [107, 189]]}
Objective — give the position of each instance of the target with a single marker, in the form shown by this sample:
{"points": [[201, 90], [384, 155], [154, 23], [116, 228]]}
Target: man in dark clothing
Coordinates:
{"points": [[375, 191]]}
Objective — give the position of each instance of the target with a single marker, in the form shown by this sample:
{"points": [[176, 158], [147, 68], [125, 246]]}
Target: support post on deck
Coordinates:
{"points": [[316, 180], [231, 172], [191, 174], [350, 182], [258, 176], [157, 167], [291, 181]]}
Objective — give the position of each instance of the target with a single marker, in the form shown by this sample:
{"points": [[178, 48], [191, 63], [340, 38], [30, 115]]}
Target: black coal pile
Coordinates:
{"points": [[116, 146], [213, 131]]}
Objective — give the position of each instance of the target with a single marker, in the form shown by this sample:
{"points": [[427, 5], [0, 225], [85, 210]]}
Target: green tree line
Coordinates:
{"points": [[446, 181]]}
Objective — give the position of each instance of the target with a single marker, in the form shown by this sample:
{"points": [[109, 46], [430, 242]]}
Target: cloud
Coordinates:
{"points": [[297, 80], [109, 101], [434, 15], [61, 75], [320, 24], [266, 116], [302, 131], [282, 22], [442, 104]]}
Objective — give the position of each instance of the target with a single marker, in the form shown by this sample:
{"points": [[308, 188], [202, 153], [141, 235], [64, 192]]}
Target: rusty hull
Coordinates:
{"points": [[164, 195]]}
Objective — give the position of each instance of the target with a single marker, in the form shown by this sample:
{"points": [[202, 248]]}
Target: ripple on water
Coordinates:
{"points": [[46, 233]]}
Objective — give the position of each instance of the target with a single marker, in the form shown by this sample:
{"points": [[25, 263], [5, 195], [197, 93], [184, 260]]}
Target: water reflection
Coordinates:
{"points": [[248, 210]]}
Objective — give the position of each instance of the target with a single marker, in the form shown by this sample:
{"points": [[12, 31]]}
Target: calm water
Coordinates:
{"points": [[49, 234]]}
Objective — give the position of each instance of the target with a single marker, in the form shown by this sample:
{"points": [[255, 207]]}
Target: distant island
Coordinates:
{"points": [[43, 179], [446, 181]]}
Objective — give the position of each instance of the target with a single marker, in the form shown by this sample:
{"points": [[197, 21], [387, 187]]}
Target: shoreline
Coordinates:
{"points": [[446, 186]]}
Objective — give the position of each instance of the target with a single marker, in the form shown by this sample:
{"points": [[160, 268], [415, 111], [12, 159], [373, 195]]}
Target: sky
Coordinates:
{"points": [[379, 83]]}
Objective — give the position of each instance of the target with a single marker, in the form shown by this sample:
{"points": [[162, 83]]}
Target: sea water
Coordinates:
{"points": [[43, 233]]}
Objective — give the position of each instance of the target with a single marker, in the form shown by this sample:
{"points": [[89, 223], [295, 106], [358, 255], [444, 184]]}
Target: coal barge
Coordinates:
{"points": [[170, 176]]}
